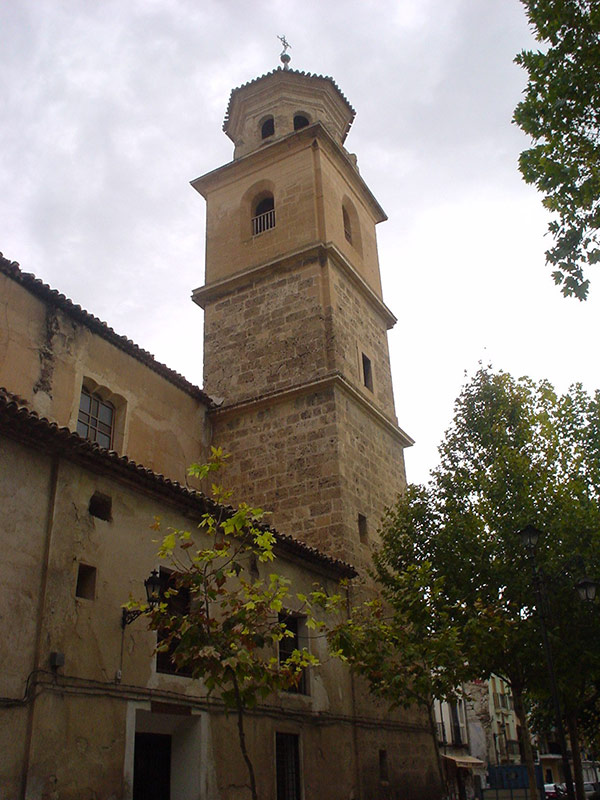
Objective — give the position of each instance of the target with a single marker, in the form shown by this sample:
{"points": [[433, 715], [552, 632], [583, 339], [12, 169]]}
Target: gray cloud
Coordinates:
{"points": [[111, 108]]}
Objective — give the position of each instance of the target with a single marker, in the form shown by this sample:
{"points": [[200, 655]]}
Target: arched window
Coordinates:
{"points": [[267, 128], [351, 225], [347, 225], [300, 121], [263, 216]]}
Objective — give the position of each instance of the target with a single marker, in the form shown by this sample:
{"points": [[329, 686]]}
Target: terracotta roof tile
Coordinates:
{"points": [[26, 425], [293, 72]]}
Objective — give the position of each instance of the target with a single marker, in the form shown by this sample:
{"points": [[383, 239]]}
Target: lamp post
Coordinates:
{"points": [[152, 586], [529, 537]]}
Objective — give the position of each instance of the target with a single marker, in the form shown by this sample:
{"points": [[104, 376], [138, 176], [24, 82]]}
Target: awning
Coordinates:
{"points": [[466, 762]]}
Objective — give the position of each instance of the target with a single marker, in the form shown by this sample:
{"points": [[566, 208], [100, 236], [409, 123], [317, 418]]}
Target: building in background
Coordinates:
{"points": [[504, 727], [464, 770]]}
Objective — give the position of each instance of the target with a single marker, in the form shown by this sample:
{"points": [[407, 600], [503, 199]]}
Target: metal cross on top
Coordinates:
{"points": [[284, 42], [285, 58]]}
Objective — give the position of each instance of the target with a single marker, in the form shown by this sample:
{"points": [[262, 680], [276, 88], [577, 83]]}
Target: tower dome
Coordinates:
{"points": [[281, 102]]}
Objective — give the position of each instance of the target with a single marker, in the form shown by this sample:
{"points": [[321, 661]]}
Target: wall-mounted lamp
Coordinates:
{"points": [[152, 586]]}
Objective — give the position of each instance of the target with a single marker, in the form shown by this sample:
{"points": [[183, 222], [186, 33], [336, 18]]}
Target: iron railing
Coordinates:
{"points": [[263, 222]]}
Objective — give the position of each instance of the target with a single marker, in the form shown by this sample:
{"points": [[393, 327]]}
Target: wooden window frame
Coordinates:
{"points": [[90, 422], [290, 643]]}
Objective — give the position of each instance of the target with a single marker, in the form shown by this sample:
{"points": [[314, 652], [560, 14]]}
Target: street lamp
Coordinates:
{"points": [[529, 537], [587, 589], [152, 586]]}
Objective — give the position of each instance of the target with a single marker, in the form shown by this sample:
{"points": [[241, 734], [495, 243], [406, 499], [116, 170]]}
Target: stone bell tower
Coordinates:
{"points": [[295, 337]]}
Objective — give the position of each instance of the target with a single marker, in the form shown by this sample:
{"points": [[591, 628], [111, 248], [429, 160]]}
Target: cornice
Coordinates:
{"points": [[334, 380], [272, 152], [315, 251]]}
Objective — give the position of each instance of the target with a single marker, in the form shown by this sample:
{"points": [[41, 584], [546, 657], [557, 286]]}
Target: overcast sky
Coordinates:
{"points": [[109, 109]]}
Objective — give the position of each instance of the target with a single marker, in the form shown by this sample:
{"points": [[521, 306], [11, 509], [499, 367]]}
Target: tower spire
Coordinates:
{"points": [[285, 57]]}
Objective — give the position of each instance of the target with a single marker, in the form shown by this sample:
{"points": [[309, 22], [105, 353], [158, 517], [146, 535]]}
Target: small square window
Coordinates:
{"points": [[363, 531], [101, 506], [367, 372], [86, 582]]}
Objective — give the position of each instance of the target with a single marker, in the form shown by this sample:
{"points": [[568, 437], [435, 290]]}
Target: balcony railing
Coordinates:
{"points": [[263, 222]]}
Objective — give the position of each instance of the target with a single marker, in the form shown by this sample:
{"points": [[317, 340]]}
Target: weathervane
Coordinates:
{"points": [[285, 58]]}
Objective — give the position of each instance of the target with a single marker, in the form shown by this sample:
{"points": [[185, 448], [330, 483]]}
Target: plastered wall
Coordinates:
{"points": [[45, 358], [76, 737]]}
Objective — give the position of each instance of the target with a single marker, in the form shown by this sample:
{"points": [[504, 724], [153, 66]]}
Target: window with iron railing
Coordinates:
{"points": [[287, 766], [264, 216], [263, 222]]}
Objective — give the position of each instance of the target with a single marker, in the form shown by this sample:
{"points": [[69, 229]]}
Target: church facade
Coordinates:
{"points": [[95, 440]]}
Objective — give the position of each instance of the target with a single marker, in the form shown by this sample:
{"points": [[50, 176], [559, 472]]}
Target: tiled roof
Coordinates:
{"points": [[289, 72], [22, 423], [49, 295]]}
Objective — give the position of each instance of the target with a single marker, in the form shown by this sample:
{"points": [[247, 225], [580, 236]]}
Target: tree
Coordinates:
{"points": [[561, 112], [458, 587], [227, 630]]}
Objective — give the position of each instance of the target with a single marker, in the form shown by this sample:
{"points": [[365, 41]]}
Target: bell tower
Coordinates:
{"points": [[295, 339]]}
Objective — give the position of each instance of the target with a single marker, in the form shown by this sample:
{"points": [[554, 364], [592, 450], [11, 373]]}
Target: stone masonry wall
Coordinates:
{"points": [[316, 460], [267, 336], [358, 328], [285, 459], [372, 468]]}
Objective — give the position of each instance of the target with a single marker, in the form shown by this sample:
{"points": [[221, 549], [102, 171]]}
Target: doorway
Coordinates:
{"points": [[152, 767], [168, 755]]}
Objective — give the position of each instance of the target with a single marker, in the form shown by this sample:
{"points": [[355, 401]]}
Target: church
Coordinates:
{"points": [[95, 440]]}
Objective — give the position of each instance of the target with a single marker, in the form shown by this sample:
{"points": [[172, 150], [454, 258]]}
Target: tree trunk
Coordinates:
{"points": [[577, 767], [525, 742], [242, 737]]}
